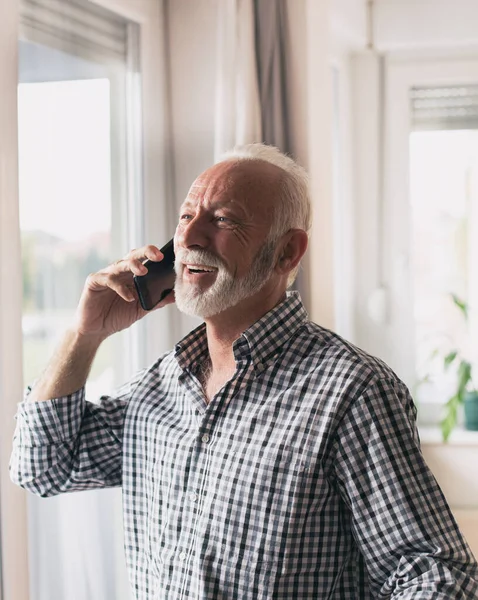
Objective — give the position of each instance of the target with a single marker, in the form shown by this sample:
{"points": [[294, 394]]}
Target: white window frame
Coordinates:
{"points": [[157, 226], [384, 324], [402, 75]]}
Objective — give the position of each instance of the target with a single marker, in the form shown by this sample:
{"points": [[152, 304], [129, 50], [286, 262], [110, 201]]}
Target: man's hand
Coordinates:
{"points": [[109, 302]]}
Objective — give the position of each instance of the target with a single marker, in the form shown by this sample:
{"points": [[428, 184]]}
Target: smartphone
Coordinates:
{"points": [[158, 281]]}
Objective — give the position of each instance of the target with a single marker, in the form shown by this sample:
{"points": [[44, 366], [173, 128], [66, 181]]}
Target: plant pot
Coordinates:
{"points": [[471, 411]]}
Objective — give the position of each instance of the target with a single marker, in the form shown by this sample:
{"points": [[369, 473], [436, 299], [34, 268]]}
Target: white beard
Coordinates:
{"points": [[226, 291]]}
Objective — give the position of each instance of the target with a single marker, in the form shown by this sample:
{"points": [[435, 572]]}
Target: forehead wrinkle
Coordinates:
{"points": [[210, 191]]}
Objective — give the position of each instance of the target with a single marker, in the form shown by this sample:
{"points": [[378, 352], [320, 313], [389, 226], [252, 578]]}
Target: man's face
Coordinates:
{"points": [[222, 250]]}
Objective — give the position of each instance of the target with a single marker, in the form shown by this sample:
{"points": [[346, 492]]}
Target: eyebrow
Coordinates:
{"points": [[226, 204]]}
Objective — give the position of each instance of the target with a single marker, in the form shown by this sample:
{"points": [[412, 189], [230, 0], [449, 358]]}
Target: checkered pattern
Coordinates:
{"points": [[302, 479]]}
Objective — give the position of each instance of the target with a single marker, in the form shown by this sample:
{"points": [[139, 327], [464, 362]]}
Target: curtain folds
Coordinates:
{"points": [[270, 39], [271, 30], [238, 111]]}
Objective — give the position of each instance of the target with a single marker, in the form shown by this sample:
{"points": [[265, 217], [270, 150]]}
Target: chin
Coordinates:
{"points": [[195, 309], [196, 303]]}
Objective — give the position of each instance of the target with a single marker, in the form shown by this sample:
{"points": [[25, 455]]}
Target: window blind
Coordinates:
{"points": [[77, 27], [446, 107]]}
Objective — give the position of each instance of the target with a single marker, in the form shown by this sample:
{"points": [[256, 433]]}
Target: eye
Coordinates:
{"points": [[185, 217], [221, 220]]}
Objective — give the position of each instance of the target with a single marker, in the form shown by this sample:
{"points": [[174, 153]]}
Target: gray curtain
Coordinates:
{"points": [[271, 44], [270, 30]]}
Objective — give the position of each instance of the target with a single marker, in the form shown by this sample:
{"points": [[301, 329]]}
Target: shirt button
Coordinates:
{"points": [[193, 496], [205, 438], [183, 556], [260, 367]]}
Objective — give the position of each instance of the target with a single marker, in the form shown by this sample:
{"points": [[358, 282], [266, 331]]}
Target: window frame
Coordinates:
{"points": [[156, 224], [401, 77], [384, 295], [13, 515]]}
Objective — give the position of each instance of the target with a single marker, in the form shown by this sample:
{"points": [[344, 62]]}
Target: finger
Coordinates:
{"points": [[150, 252], [126, 265], [135, 266], [100, 281]]}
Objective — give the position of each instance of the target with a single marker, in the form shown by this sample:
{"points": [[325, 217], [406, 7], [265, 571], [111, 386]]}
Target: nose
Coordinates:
{"points": [[192, 234]]}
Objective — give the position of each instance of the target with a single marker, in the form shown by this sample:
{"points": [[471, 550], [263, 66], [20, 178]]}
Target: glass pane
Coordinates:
{"points": [[65, 209], [443, 176]]}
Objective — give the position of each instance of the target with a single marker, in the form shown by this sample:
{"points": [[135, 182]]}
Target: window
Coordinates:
{"points": [[444, 205], [75, 168], [65, 209], [79, 41], [415, 203]]}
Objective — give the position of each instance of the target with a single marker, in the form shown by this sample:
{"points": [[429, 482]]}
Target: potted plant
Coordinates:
{"points": [[466, 392]]}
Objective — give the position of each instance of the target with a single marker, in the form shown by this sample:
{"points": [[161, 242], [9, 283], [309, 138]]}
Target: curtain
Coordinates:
{"points": [[270, 32], [238, 111], [271, 48]]}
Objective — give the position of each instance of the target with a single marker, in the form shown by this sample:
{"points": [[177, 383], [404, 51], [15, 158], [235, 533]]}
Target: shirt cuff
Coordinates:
{"points": [[50, 421]]}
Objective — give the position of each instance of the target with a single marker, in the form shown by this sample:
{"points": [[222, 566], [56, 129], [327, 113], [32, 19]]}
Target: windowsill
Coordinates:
{"points": [[432, 436]]}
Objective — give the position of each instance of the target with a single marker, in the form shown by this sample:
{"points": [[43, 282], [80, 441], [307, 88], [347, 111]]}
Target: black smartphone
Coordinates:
{"points": [[158, 281]]}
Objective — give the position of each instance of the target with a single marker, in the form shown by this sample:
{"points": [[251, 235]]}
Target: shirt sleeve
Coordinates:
{"points": [[400, 519], [68, 444]]}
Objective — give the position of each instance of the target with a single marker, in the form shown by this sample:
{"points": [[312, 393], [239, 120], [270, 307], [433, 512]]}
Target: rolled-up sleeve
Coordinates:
{"points": [[68, 444], [400, 519]]}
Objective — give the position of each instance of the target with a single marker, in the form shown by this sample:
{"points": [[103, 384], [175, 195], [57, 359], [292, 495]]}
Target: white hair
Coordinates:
{"points": [[294, 204]]}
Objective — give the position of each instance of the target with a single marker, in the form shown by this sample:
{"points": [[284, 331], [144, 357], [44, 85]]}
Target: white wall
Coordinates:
{"points": [[348, 25], [321, 40], [406, 24], [192, 30]]}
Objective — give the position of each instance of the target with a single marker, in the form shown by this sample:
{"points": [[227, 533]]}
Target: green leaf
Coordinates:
{"points": [[449, 358], [449, 421], [461, 304], [464, 376], [446, 429]]}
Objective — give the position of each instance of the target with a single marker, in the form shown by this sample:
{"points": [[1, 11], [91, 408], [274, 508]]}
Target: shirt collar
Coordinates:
{"points": [[261, 342]]}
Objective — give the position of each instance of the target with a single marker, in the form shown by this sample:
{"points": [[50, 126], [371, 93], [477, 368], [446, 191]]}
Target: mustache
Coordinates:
{"points": [[199, 257]]}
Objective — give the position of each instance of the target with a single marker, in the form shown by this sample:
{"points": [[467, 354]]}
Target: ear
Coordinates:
{"points": [[292, 248]]}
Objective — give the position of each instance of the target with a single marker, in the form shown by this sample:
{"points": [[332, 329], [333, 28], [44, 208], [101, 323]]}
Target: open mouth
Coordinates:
{"points": [[199, 269]]}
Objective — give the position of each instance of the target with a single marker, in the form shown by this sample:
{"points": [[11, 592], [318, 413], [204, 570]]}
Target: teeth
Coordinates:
{"points": [[200, 270]]}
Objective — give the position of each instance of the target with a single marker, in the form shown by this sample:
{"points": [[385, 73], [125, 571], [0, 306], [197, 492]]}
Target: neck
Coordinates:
{"points": [[224, 329]]}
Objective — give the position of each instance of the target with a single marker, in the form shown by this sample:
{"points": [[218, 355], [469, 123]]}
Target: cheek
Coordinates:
{"points": [[243, 263], [177, 237]]}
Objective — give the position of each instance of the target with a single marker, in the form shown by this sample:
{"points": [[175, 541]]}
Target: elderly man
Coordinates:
{"points": [[265, 457]]}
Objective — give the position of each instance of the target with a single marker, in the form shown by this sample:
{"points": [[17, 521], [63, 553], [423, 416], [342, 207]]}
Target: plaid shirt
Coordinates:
{"points": [[302, 478]]}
